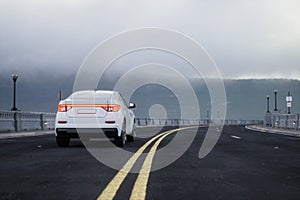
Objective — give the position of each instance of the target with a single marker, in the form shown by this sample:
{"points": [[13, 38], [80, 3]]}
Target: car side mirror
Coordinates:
{"points": [[131, 105]]}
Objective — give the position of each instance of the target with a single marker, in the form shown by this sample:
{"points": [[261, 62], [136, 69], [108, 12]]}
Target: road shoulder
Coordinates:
{"points": [[274, 130], [24, 134]]}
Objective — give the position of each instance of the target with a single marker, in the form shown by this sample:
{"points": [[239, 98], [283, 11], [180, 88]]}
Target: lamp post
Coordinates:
{"points": [[268, 104], [275, 94], [14, 77], [60, 95]]}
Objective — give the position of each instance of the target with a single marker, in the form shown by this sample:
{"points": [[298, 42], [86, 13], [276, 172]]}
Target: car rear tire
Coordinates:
{"points": [[130, 138], [62, 141], [120, 141]]}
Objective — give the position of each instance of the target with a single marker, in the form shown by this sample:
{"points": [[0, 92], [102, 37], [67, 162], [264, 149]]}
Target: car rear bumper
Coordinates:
{"points": [[86, 132]]}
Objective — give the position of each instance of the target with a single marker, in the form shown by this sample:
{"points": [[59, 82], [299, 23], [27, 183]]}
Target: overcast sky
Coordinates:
{"points": [[245, 38]]}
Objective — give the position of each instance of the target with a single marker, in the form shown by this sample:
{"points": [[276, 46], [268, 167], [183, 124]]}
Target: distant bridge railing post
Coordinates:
{"points": [[16, 121]]}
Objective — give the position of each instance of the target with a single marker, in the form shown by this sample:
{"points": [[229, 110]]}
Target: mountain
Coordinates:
{"points": [[246, 99]]}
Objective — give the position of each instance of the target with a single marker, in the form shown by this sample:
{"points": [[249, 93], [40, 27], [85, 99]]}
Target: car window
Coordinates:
{"points": [[122, 99]]}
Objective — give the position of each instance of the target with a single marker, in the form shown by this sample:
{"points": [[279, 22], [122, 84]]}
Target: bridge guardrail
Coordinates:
{"points": [[26, 121], [285, 121], [11, 121], [182, 122]]}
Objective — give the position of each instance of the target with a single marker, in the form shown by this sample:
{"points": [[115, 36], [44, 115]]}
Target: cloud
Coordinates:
{"points": [[259, 38]]}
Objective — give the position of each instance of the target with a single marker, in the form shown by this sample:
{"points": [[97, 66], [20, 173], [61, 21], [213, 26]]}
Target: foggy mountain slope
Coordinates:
{"points": [[246, 98]]}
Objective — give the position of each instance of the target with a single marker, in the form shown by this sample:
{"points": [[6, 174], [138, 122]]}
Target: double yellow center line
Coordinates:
{"points": [[140, 186]]}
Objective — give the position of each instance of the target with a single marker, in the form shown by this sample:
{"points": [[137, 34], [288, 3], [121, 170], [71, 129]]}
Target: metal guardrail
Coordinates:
{"points": [[11, 121], [286, 121], [26, 121], [182, 122]]}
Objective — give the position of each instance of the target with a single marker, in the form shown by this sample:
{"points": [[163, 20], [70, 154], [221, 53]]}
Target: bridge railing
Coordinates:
{"points": [[11, 121], [26, 121], [285, 121], [182, 122]]}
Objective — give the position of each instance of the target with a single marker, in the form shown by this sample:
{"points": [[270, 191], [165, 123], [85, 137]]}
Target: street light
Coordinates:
{"points": [[275, 93], [268, 104], [14, 77]]}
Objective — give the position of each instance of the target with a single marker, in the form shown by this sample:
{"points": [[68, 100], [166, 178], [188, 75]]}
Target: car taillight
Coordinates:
{"points": [[63, 107], [106, 107], [110, 107]]}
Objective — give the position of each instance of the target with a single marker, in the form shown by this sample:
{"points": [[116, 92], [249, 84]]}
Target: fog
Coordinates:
{"points": [[246, 39]]}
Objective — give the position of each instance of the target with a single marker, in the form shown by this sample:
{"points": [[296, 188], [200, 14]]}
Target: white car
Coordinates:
{"points": [[92, 110]]}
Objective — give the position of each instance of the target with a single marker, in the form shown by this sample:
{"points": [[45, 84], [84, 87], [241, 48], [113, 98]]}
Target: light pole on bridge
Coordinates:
{"points": [[275, 94], [268, 104], [14, 77]]}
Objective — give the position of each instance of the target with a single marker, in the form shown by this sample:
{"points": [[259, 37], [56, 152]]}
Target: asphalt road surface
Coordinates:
{"points": [[244, 164]]}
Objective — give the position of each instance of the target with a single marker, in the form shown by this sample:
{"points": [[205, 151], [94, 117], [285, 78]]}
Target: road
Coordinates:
{"points": [[244, 164]]}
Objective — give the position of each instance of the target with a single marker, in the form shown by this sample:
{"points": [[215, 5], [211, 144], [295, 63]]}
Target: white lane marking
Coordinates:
{"points": [[235, 137]]}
